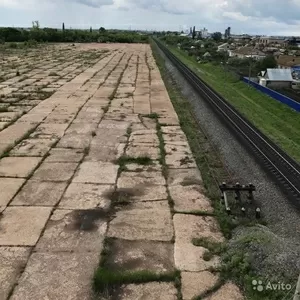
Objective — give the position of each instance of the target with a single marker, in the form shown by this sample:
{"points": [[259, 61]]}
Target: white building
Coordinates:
{"points": [[204, 33], [224, 47], [276, 78]]}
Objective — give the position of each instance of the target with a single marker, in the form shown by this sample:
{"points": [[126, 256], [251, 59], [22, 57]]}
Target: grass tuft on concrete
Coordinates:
{"points": [[151, 116], [212, 246], [108, 280]]}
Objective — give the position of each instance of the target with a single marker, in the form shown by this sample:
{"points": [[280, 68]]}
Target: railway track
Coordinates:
{"points": [[284, 170]]}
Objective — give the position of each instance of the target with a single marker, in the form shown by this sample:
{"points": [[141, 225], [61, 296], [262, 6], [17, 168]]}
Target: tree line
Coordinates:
{"points": [[51, 35]]}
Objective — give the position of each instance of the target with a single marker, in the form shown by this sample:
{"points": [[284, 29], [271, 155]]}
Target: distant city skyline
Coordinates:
{"points": [[271, 18]]}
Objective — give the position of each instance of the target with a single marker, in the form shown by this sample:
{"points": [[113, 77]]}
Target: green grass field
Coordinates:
{"points": [[279, 122]]}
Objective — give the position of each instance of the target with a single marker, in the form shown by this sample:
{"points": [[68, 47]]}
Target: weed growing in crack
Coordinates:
{"points": [[107, 280], [213, 247], [105, 108], [151, 116], [162, 158], [129, 131], [207, 255]]}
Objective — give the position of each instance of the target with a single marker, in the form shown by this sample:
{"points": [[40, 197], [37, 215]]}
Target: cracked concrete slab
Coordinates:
{"points": [[184, 177], [45, 276], [189, 198], [65, 155], [86, 196], [81, 128], [96, 172], [74, 230], [8, 188], [22, 226], [137, 222], [75, 141], [49, 131], [139, 150], [143, 178], [149, 291], [227, 291], [36, 193], [33, 147], [51, 171], [180, 161], [18, 166], [194, 284], [188, 227], [12, 262], [111, 124], [140, 255], [100, 152], [195, 260]]}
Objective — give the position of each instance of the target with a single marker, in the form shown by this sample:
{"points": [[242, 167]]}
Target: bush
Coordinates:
{"points": [[32, 43], [13, 45]]}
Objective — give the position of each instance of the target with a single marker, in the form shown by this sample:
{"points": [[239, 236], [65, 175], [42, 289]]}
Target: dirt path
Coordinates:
{"points": [[75, 177]]}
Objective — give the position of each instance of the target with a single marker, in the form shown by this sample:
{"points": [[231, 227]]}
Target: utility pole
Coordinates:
{"points": [[250, 67]]}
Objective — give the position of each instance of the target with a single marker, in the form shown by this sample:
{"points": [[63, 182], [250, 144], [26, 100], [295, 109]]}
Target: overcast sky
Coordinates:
{"points": [[270, 17]]}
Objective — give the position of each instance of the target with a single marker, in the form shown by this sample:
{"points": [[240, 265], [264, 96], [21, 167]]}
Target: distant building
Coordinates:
{"points": [[241, 38], [223, 47], [287, 61], [227, 33], [247, 52], [267, 40], [204, 33], [207, 55]]}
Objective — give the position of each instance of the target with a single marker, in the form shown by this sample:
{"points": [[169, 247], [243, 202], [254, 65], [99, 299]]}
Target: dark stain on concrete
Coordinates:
{"points": [[123, 196], [140, 255], [190, 181], [85, 219]]}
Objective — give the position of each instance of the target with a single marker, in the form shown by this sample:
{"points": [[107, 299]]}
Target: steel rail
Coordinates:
{"points": [[284, 169]]}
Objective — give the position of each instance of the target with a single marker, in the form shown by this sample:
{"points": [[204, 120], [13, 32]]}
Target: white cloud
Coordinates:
{"points": [[254, 16]]}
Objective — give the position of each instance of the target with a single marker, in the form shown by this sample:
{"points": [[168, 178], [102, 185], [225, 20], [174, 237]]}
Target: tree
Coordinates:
{"points": [[102, 29], [268, 62], [194, 33], [35, 25], [63, 26], [217, 36], [91, 29]]}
